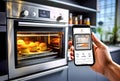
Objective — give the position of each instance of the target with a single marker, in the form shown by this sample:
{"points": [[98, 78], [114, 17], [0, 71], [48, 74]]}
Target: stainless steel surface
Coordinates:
{"points": [[14, 11], [13, 72], [41, 74], [2, 28], [2, 18], [31, 24], [4, 78]]}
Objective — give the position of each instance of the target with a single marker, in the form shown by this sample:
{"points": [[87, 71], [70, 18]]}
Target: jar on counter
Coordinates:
{"points": [[76, 20], [87, 21], [70, 19], [80, 17]]}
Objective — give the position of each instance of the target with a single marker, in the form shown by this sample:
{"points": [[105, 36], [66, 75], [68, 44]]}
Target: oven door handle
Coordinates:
{"points": [[31, 24]]}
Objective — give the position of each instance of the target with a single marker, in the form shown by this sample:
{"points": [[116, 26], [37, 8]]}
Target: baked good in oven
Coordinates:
{"points": [[43, 46], [55, 41], [37, 43], [27, 40], [22, 47], [33, 47], [20, 42], [25, 50]]}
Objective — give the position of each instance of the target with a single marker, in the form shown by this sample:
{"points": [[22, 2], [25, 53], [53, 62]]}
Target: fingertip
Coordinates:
{"points": [[93, 35], [96, 40]]}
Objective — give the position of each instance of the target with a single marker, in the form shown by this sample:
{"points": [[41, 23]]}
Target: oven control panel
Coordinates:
{"points": [[37, 12], [24, 13], [44, 13]]}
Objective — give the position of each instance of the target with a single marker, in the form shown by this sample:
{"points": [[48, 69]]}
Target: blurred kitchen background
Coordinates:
{"points": [[108, 21]]}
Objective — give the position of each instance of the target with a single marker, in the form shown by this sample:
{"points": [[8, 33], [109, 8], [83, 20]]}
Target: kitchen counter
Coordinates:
{"points": [[113, 48]]}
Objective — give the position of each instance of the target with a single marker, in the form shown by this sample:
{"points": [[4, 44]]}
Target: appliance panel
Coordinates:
{"points": [[27, 28], [36, 12]]}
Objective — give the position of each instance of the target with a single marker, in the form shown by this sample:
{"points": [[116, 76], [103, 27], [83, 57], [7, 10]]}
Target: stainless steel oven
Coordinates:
{"points": [[37, 38], [3, 47]]}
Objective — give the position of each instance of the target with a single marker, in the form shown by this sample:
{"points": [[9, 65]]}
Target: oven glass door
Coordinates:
{"points": [[35, 45]]}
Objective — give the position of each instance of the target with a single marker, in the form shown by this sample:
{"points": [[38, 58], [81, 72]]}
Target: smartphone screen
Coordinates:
{"points": [[83, 49]]}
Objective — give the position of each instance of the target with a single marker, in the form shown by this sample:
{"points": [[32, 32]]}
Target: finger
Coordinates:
{"points": [[72, 57], [71, 53], [72, 48], [94, 46], [97, 42]]}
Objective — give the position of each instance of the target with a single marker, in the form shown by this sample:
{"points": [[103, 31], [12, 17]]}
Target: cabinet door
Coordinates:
{"points": [[80, 73], [101, 78], [116, 56], [58, 76]]}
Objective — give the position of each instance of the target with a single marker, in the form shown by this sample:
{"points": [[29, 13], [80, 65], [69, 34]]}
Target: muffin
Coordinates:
{"points": [[43, 46], [25, 51], [22, 47], [33, 47]]}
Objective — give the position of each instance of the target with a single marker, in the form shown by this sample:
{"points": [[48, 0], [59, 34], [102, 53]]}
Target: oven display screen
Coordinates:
{"points": [[44, 13]]}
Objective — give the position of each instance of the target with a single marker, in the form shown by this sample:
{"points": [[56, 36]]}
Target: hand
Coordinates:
{"points": [[71, 49], [72, 52], [102, 55]]}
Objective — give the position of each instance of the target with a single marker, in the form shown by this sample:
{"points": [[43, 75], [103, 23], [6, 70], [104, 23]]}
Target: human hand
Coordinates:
{"points": [[102, 55], [71, 50]]}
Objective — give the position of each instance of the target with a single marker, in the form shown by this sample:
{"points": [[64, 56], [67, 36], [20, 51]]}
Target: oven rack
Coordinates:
{"points": [[38, 55]]}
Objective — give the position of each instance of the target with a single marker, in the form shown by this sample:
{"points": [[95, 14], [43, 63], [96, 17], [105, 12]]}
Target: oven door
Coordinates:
{"points": [[35, 47]]}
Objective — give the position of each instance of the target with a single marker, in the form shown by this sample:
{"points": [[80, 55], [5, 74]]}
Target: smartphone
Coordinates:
{"points": [[83, 48]]}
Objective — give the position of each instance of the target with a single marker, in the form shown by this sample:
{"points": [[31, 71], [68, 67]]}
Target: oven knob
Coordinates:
{"points": [[59, 18], [25, 13], [34, 14]]}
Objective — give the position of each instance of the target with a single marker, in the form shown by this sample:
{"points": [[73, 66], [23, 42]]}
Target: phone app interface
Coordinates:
{"points": [[82, 41], [83, 46]]}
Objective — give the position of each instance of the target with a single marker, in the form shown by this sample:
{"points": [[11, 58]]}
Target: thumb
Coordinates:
{"points": [[97, 42]]}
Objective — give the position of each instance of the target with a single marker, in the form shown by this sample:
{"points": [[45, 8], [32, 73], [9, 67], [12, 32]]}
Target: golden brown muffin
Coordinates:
{"points": [[43, 46], [33, 47], [26, 51], [22, 47]]}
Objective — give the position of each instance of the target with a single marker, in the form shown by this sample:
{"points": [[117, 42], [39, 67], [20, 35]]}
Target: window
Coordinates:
{"points": [[106, 14]]}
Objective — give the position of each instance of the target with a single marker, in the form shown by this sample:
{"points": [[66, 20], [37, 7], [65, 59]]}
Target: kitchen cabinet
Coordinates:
{"points": [[57, 76], [3, 44], [116, 56], [101, 78], [80, 73]]}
